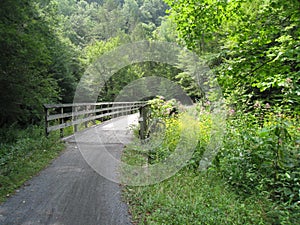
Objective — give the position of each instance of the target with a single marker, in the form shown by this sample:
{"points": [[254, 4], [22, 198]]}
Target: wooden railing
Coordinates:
{"points": [[60, 116]]}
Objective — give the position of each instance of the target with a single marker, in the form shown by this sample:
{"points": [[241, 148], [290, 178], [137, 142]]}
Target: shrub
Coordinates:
{"points": [[160, 108], [263, 157]]}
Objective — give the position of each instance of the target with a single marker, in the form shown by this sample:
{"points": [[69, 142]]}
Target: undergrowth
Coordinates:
{"points": [[254, 178], [194, 198], [23, 153], [262, 157]]}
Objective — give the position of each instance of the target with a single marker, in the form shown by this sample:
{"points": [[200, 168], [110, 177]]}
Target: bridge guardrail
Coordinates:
{"points": [[60, 116]]}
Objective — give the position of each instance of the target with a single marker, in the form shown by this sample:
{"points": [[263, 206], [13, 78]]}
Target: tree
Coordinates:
{"points": [[24, 61], [132, 15], [153, 11], [256, 46], [166, 31], [198, 22], [37, 65]]}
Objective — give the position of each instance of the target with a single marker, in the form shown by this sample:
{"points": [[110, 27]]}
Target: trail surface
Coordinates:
{"points": [[69, 191]]}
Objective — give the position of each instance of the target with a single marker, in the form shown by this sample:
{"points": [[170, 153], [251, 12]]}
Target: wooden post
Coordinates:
{"points": [[75, 118], [130, 109], [61, 121], [143, 122], [119, 111], [86, 116], [94, 107], [46, 120]]}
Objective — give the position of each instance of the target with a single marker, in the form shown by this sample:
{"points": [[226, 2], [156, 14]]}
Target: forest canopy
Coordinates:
{"points": [[252, 47], [46, 46]]}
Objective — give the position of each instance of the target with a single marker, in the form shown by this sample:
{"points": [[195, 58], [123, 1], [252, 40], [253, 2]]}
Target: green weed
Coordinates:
{"points": [[23, 153], [253, 180], [193, 198], [262, 157]]}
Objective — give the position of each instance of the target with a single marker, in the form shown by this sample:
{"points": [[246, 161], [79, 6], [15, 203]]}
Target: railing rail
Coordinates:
{"points": [[60, 116]]}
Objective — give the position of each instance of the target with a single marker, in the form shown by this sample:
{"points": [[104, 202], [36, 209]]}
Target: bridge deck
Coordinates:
{"points": [[69, 192]]}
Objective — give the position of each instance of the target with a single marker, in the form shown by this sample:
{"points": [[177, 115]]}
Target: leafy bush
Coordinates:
{"points": [[203, 119], [160, 108], [163, 129], [260, 157], [163, 142], [263, 157]]}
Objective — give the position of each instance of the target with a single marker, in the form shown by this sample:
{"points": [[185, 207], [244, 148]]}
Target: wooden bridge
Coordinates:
{"points": [[61, 116]]}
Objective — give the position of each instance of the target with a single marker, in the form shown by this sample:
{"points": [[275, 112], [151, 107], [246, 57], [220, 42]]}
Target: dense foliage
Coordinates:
{"points": [[46, 46], [262, 158], [258, 161], [253, 46], [37, 64]]}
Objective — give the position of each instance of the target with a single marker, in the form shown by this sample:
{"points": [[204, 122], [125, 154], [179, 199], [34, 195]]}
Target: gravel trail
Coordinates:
{"points": [[69, 191]]}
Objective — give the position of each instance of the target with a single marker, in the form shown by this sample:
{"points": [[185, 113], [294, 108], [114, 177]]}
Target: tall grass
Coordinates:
{"points": [[23, 153], [190, 196], [254, 178]]}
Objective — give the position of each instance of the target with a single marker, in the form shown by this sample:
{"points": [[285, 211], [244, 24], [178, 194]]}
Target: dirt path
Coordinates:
{"points": [[69, 192]]}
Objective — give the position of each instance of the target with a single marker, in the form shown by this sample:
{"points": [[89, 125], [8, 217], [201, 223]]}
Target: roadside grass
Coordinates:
{"points": [[254, 178], [191, 197], [23, 153]]}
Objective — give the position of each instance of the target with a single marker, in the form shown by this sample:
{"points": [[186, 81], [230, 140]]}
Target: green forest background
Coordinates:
{"points": [[253, 47]]}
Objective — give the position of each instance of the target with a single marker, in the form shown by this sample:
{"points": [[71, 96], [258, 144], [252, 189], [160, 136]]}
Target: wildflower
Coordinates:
{"points": [[161, 97], [289, 80], [257, 105], [207, 103], [168, 110], [231, 112], [268, 106]]}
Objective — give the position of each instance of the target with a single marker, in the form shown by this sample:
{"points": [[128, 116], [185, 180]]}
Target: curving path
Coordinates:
{"points": [[68, 191]]}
